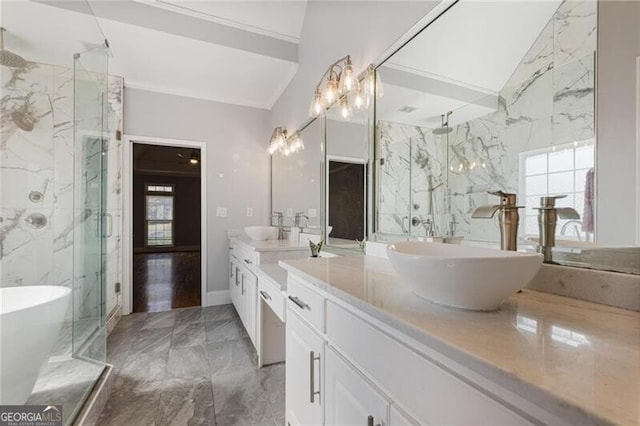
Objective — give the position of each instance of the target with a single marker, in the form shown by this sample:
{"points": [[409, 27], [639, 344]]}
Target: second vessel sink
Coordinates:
{"points": [[463, 277], [261, 233]]}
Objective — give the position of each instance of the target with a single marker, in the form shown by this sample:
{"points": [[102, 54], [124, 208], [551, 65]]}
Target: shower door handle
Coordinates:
{"points": [[109, 225]]}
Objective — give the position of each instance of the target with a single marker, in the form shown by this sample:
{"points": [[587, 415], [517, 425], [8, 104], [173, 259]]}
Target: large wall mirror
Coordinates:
{"points": [[494, 96], [296, 181]]}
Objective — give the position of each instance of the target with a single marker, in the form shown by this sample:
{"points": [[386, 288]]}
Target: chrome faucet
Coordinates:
{"points": [[508, 218], [548, 215], [427, 223], [279, 223], [300, 215]]}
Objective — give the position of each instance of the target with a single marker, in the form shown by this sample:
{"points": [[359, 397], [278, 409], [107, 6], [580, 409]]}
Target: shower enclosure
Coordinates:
{"points": [[53, 195]]}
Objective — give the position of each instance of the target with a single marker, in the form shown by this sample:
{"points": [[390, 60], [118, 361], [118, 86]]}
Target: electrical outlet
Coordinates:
{"points": [[117, 288], [249, 212], [312, 213], [221, 211], [289, 212]]}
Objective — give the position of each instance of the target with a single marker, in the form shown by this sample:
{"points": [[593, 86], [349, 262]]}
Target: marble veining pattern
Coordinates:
{"points": [[548, 100], [42, 160], [189, 377]]}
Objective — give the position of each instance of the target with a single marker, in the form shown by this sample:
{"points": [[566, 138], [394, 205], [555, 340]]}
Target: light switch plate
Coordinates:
{"points": [[221, 211], [249, 212], [289, 212], [312, 213]]}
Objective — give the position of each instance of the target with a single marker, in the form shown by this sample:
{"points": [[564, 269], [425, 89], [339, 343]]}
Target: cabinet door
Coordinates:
{"points": [[250, 304], [305, 357], [236, 289], [350, 399]]}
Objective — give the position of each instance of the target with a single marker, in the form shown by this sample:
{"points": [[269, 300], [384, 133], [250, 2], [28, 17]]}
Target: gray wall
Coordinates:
{"points": [[332, 29], [617, 146], [237, 163]]}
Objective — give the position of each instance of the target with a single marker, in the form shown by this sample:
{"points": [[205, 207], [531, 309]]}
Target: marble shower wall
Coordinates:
{"points": [[413, 160], [548, 101], [37, 186]]}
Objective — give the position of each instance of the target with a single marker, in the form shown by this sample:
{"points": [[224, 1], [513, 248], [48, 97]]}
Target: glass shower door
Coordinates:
{"points": [[91, 224]]}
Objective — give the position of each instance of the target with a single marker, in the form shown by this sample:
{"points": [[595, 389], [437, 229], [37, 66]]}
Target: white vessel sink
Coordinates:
{"points": [[460, 276], [261, 233]]}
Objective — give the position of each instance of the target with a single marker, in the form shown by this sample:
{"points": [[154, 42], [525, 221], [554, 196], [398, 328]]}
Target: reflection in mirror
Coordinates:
{"points": [[347, 150], [507, 104], [295, 183]]}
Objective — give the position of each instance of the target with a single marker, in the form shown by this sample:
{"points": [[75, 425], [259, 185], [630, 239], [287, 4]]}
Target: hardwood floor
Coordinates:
{"points": [[165, 281]]}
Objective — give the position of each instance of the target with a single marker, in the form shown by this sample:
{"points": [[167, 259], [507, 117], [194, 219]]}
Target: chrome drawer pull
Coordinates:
{"points": [[299, 302], [312, 385], [370, 421], [265, 295]]}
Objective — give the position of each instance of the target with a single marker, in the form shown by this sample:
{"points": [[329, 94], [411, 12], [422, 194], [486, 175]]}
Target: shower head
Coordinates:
{"points": [[8, 58], [444, 129], [23, 119]]}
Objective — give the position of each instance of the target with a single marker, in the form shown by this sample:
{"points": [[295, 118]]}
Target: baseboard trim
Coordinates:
{"points": [[218, 297], [114, 319]]}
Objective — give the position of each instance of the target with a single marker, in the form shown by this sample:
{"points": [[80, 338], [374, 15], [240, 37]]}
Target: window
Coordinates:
{"points": [[558, 170], [159, 217]]}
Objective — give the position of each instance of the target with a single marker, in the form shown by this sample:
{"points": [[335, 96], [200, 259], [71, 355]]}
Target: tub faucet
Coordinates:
{"points": [[548, 215], [508, 218]]}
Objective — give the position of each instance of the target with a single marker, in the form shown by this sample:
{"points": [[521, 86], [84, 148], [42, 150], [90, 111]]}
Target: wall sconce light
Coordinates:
{"points": [[340, 84], [283, 144]]}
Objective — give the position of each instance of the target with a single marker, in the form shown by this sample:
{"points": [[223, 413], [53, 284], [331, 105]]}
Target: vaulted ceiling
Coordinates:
{"points": [[242, 53]]}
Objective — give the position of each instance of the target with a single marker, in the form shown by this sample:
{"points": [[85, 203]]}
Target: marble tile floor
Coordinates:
{"points": [[193, 366]]}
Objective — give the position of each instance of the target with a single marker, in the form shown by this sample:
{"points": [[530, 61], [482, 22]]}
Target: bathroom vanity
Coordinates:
{"points": [[363, 349], [256, 286]]}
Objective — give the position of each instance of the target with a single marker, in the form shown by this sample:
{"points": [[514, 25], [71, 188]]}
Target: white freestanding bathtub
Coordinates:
{"points": [[30, 320]]}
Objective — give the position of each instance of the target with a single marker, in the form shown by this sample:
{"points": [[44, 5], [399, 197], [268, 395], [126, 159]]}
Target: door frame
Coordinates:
{"points": [[127, 213], [351, 160]]}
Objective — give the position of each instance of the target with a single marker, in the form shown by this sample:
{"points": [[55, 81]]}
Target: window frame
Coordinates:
{"points": [[522, 186], [147, 193]]}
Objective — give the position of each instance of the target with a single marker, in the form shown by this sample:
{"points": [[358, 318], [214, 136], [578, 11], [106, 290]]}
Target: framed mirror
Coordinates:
{"points": [[296, 182], [497, 96]]}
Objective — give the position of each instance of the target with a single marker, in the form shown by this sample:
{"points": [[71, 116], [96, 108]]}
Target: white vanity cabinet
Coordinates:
{"points": [[353, 370], [247, 293], [351, 399], [243, 293], [249, 301], [305, 357]]}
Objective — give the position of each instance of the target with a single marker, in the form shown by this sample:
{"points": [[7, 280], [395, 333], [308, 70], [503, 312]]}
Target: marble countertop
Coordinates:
{"points": [[274, 273], [576, 359], [271, 245]]}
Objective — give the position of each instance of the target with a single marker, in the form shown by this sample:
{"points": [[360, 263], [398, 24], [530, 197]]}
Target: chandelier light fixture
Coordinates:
{"points": [[283, 144], [339, 84]]}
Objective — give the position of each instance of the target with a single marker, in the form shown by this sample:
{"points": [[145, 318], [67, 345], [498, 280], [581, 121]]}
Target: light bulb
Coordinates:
{"points": [[330, 91], [346, 79], [344, 107], [316, 104], [358, 101]]}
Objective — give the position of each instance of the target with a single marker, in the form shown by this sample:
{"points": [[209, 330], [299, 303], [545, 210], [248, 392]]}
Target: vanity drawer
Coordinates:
{"points": [[306, 302], [245, 256], [273, 297], [431, 394]]}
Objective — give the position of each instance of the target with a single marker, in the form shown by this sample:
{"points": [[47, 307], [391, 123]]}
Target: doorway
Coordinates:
{"points": [[346, 199], [167, 221]]}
